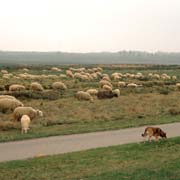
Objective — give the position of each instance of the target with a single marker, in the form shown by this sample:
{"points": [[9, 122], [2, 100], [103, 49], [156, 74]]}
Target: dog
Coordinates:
{"points": [[154, 131]]}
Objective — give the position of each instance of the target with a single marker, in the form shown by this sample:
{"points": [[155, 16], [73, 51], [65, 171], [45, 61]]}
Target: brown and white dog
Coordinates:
{"points": [[154, 131]]}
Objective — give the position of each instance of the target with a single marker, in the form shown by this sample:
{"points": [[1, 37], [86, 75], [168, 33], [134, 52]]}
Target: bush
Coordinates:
{"points": [[174, 111], [8, 125]]}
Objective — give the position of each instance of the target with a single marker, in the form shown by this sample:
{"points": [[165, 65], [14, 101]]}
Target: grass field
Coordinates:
{"points": [[157, 160], [156, 102]]}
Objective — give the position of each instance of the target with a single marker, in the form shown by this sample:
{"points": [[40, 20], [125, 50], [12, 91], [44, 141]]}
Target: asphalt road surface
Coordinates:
{"points": [[70, 143]]}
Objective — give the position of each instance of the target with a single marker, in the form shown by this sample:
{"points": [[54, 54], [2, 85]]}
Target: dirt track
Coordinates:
{"points": [[70, 143]]}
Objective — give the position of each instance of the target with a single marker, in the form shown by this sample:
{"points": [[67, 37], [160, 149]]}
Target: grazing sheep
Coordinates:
{"points": [[9, 104], [116, 92], [35, 86], [102, 94], [106, 78], [99, 69], [103, 82], [55, 69], [121, 84], [31, 112], [59, 86], [174, 78], [133, 85], [178, 86], [16, 87], [81, 95], [156, 76], [25, 69], [25, 122], [92, 92], [4, 71], [107, 88], [7, 96], [69, 73], [62, 76]]}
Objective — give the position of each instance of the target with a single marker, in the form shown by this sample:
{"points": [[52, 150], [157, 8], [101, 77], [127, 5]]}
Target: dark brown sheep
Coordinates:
{"points": [[102, 94]]}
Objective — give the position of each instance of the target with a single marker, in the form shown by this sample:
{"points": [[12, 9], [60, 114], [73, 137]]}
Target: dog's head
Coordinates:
{"points": [[142, 135], [163, 135]]}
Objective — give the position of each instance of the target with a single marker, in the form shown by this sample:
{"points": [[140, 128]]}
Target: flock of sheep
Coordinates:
{"points": [[20, 112], [105, 82]]}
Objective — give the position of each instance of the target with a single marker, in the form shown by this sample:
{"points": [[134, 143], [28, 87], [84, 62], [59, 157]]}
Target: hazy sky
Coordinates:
{"points": [[90, 25]]}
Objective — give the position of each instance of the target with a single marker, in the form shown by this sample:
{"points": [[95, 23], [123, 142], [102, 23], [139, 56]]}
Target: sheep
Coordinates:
{"points": [[107, 88], [7, 76], [4, 71], [69, 73], [35, 86], [94, 75], [55, 69], [102, 94], [25, 122], [133, 85], [115, 76], [174, 78], [103, 82], [16, 87], [156, 76], [81, 76], [121, 84], [9, 104], [92, 92], [116, 92], [81, 95], [178, 86], [62, 76], [31, 112], [59, 85], [106, 78], [25, 69], [7, 96]]}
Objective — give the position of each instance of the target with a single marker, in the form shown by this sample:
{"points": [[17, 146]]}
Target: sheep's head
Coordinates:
{"points": [[40, 113]]}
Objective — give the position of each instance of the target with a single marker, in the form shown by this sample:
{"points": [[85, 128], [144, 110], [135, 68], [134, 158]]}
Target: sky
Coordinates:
{"points": [[90, 25]]}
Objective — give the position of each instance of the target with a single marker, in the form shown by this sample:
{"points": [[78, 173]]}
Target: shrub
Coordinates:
{"points": [[174, 111]]}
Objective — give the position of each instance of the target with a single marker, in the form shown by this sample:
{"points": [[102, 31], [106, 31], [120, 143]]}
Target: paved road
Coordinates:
{"points": [[70, 143]]}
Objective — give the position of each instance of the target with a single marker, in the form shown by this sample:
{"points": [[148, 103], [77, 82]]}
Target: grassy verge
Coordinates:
{"points": [[133, 161], [84, 127]]}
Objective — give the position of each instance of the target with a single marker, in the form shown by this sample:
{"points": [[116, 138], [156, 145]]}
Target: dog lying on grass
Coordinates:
{"points": [[154, 131]]}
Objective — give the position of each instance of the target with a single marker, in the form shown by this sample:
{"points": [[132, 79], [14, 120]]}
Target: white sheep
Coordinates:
{"points": [[103, 82], [107, 88], [35, 86], [59, 85], [9, 104], [16, 87], [7, 96], [81, 95], [92, 92], [25, 122], [133, 85], [69, 73], [31, 112], [174, 78], [116, 92], [121, 84]]}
